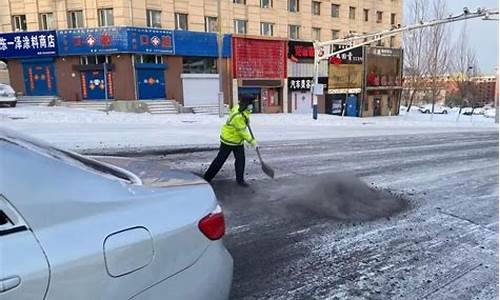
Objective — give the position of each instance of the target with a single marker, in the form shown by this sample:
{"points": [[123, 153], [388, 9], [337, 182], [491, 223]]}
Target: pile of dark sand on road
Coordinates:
{"points": [[343, 197]]}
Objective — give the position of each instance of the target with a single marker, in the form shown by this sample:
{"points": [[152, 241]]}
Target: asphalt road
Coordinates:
{"points": [[443, 244]]}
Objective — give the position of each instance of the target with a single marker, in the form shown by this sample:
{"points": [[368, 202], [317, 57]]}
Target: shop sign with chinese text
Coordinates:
{"points": [[28, 44]]}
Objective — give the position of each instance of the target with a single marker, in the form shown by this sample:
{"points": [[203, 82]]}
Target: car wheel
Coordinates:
{"points": [[13, 104], [427, 111], [445, 112]]}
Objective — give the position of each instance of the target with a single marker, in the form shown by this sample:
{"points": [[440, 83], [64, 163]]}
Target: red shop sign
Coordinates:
{"points": [[254, 58]]}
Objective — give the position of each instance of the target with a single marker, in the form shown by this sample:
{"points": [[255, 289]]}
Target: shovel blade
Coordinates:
{"points": [[267, 170]]}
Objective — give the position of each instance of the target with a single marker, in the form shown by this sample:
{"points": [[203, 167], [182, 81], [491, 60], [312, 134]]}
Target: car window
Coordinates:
{"points": [[6, 90]]}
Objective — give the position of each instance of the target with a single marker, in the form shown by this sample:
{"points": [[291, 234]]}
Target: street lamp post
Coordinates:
{"points": [[219, 60]]}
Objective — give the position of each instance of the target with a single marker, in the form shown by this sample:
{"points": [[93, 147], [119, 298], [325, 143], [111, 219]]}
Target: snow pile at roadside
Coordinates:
{"points": [[85, 130]]}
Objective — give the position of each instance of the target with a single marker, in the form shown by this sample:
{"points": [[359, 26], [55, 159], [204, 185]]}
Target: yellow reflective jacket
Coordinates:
{"points": [[235, 131]]}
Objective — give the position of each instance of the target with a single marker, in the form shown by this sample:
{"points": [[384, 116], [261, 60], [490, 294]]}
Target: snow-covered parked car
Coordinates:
{"points": [[7, 95], [490, 112], [72, 227], [438, 109]]}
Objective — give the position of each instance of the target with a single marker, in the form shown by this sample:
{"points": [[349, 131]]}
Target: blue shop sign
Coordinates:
{"points": [[28, 44], [150, 40], [103, 40], [189, 43], [108, 40]]}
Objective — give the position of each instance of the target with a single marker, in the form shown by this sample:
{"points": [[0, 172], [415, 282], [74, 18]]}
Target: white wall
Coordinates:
{"points": [[200, 89]]}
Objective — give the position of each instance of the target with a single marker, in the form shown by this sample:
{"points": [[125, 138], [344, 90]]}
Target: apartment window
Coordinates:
{"points": [[240, 1], [335, 34], [46, 21], [149, 59], [19, 23], [316, 8], [211, 24], [393, 19], [392, 42], [380, 43], [293, 5], [352, 13], [266, 29], [294, 32], [316, 34], [105, 17], [379, 16], [95, 59], [75, 19], [366, 13], [181, 21], [153, 18], [240, 26], [266, 3], [199, 65], [335, 10]]}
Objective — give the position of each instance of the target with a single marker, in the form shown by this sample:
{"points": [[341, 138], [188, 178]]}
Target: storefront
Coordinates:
{"points": [[30, 58], [383, 79], [196, 55], [345, 83], [300, 78], [259, 70]]}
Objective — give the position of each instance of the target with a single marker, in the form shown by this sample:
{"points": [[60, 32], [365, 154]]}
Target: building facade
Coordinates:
{"points": [[294, 19]]}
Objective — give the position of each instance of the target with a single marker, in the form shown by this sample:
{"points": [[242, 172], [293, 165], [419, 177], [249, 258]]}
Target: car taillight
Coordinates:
{"points": [[212, 225]]}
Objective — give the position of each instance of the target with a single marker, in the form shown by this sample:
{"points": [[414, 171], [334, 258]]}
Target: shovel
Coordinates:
{"points": [[265, 167]]}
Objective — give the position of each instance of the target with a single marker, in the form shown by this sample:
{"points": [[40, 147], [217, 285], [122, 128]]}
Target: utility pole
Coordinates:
{"points": [[220, 41]]}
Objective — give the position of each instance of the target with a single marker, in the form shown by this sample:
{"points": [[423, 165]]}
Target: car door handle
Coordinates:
{"points": [[9, 283]]}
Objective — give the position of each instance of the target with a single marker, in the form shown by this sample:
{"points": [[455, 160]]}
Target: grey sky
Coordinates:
{"points": [[483, 35]]}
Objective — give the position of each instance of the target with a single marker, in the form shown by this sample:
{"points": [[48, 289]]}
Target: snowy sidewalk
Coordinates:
{"points": [[100, 133]]}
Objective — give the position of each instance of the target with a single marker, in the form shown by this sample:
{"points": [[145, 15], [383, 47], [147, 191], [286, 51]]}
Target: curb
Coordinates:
{"points": [[138, 152]]}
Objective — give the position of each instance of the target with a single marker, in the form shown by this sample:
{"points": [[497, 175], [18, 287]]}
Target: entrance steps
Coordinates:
{"points": [[90, 105], [207, 109], [37, 100], [161, 107]]}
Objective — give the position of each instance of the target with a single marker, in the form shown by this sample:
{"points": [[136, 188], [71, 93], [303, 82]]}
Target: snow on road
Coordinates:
{"points": [[93, 131]]}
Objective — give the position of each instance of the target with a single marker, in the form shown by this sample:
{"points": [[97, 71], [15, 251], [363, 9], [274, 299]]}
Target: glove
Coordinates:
{"points": [[253, 143]]}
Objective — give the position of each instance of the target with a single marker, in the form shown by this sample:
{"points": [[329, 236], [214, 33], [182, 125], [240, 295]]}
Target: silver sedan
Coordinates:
{"points": [[74, 228]]}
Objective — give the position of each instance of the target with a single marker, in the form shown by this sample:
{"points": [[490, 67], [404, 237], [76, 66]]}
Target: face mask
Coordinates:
{"points": [[250, 107]]}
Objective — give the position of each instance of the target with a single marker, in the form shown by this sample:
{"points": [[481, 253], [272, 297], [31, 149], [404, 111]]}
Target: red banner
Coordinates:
{"points": [[261, 59]]}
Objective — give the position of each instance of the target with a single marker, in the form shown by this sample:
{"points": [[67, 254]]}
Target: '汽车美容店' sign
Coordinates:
{"points": [[28, 44], [304, 83]]}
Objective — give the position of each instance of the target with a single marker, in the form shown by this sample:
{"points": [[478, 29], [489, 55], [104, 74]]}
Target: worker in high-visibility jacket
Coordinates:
{"points": [[233, 135]]}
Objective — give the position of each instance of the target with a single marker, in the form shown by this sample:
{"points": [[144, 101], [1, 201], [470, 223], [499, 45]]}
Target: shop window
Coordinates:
{"points": [[46, 21], [95, 59], [149, 59], [316, 8], [19, 23], [266, 3], [199, 65], [181, 21], [240, 26], [294, 32], [211, 24], [335, 10], [366, 105], [293, 5], [106, 17], [366, 13], [352, 13], [389, 103], [266, 29], [153, 18], [75, 19]]}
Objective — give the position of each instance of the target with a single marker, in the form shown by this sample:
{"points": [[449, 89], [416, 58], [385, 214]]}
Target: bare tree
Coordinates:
{"points": [[438, 50], [414, 43], [464, 65]]}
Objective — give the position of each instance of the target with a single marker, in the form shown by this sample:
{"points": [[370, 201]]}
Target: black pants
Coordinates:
{"points": [[224, 151]]}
